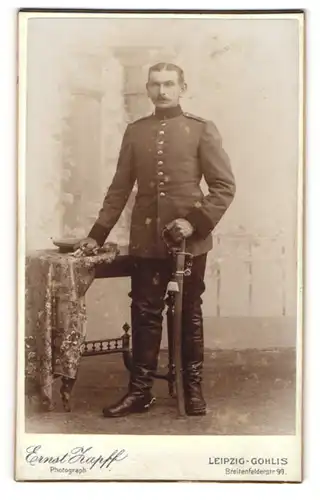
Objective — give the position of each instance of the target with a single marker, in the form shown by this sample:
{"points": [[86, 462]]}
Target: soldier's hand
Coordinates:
{"points": [[88, 246], [180, 229]]}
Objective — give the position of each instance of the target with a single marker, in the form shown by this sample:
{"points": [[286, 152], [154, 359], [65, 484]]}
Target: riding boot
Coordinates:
{"points": [[193, 366], [146, 317], [193, 341]]}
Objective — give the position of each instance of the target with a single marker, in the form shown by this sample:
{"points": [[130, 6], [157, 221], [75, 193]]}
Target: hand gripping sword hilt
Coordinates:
{"points": [[175, 249]]}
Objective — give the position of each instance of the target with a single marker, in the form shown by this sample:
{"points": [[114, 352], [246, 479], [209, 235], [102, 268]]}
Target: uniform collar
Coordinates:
{"points": [[164, 114]]}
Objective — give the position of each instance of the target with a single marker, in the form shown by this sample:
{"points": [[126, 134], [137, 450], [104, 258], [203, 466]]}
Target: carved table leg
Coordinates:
{"points": [[126, 354], [65, 391]]}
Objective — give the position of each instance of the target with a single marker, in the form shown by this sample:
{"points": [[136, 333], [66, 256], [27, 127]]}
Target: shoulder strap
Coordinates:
{"points": [[194, 117]]}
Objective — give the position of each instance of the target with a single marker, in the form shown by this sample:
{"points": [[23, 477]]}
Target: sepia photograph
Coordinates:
{"points": [[160, 165]]}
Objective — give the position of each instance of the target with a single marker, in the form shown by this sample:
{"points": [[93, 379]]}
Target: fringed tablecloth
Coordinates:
{"points": [[55, 316]]}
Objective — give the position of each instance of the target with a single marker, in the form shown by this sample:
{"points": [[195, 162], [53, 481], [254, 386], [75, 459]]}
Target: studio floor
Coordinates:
{"points": [[248, 392]]}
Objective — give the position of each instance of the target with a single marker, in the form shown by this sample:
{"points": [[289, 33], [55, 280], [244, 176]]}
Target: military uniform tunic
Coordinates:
{"points": [[167, 154]]}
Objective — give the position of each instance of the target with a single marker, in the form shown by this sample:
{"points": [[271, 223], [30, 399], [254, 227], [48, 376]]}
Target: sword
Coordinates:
{"points": [[182, 267]]}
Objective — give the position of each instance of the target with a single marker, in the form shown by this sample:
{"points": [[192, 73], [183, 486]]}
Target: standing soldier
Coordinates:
{"points": [[167, 153]]}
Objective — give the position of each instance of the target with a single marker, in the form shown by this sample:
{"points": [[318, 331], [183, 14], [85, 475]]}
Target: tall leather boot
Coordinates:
{"points": [[146, 340], [193, 366], [192, 339], [146, 316]]}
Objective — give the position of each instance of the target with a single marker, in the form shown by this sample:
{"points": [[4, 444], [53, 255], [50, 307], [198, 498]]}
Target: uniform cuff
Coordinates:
{"points": [[200, 221], [98, 233]]}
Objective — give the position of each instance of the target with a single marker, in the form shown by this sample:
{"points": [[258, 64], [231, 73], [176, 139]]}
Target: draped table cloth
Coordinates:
{"points": [[55, 316]]}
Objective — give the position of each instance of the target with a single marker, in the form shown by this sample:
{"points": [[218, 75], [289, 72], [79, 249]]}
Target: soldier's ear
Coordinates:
{"points": [[183, 88]]}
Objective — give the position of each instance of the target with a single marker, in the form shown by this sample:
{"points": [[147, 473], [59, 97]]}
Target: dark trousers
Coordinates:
{"points": [[149, 282]]}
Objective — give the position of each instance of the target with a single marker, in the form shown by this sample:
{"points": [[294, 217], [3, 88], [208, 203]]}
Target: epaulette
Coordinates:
{"points": [[194, 117], [140, 119]]}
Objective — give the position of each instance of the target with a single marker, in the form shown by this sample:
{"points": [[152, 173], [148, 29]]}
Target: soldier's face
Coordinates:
{"points": [[164, 88]]}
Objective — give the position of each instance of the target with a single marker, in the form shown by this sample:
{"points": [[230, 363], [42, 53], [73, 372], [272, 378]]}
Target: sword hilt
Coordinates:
{"points": [[178, 249]]}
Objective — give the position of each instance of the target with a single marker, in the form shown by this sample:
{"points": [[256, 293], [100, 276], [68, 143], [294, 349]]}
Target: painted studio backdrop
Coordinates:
{"points": [[86, 81]]}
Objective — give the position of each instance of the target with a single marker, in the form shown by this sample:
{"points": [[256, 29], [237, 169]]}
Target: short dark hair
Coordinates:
{"points": [[169, 67]]}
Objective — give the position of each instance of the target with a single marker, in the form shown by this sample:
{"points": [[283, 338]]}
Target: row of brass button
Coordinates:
{"points": [[160, 162]]}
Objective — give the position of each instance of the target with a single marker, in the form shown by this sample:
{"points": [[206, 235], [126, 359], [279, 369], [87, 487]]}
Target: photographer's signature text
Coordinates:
{"points": [[79, 455]]}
